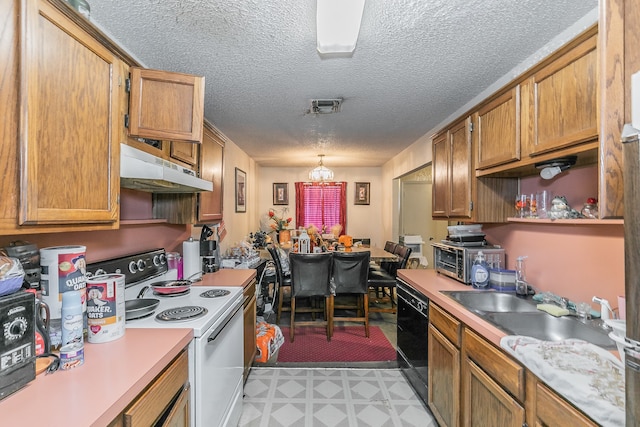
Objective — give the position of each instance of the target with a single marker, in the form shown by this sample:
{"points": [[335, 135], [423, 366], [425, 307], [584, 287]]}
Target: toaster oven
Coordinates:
{"points": [[456, 261]]}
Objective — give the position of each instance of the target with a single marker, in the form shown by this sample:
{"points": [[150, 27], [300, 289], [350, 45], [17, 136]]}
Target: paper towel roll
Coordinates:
{"points": [[191, 259]]}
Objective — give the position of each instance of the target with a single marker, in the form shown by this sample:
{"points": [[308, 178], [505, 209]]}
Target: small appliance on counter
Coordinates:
{"points": [[29, 256], [17, 346], [456, 260], [209, 253]]}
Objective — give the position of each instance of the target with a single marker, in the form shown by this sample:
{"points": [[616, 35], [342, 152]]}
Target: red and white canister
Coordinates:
{"points": [[105, 308]]}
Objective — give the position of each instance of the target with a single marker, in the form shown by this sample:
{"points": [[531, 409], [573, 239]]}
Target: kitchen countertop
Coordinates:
{"points": [[93, 394]]}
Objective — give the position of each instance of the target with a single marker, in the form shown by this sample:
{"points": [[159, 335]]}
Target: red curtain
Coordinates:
{"points": [[321, 204]]}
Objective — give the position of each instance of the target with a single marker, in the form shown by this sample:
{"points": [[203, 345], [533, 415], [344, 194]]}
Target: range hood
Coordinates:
{"points": [[145, 172]]}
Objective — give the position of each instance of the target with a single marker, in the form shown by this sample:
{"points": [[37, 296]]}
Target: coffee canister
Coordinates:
{"points": [[105, 308]]}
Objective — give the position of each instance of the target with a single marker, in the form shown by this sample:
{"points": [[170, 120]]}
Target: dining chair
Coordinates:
{"points": [[385, 279], [350, 273], [284, 281], [311, 277]]}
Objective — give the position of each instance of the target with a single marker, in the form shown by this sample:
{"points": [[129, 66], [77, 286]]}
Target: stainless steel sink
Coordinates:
{"points": [[520, 316], [549, 328], [490, 301]]}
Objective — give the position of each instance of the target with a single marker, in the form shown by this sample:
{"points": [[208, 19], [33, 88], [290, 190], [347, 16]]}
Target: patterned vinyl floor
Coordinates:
{"points": [[317, 397]]}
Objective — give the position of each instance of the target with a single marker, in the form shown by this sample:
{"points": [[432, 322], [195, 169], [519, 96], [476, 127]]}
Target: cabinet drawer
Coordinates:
{"points": [[446, 324], [153, 401], [553, 410], [499, 366]]}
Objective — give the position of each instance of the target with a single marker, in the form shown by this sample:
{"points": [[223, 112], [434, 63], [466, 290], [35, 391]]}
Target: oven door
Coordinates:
{"points": [[412, 325], [218, 371]]}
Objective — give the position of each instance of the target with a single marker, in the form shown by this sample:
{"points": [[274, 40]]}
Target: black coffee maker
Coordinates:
{"points": [[208, 251], [29, 257]]}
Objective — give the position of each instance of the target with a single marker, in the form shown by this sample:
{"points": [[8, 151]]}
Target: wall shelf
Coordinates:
{"points": [[578, 221]]}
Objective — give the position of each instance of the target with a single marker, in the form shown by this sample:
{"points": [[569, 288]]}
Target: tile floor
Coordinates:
{"points": [[371, 394], [315, 397]]}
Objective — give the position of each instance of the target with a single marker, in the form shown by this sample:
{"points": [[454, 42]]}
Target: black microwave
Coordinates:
{"points": [[456, 261]]}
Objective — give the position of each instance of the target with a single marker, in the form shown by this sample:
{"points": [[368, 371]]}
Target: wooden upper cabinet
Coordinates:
{"points": [[498, 130], [451, 193], [564, 100], [186, 152], [211, 169], [165, 105], [460, 172], [69, 124], [440, 172]]}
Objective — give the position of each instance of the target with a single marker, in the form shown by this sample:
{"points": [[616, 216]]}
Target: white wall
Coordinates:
{"points": [[362, 220]]}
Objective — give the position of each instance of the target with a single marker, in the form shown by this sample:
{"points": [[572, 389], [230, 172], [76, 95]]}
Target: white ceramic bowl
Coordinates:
{"points": [[620, 343], [619, 326]]}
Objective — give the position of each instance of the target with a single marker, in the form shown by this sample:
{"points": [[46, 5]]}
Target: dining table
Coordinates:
{"points": [[377, 254]]}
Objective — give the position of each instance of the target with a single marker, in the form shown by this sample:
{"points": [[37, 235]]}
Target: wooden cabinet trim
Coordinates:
{"points": [[495, 363], [155, 399], [449, 326]]}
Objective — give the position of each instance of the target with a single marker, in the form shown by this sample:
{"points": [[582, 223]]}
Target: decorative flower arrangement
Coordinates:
{"points": [[279, 222]]}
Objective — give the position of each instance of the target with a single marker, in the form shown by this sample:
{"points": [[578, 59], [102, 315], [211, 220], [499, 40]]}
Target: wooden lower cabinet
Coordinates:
{"points": [[485, 403], [444, 379], [165, 402], [250, 345]]}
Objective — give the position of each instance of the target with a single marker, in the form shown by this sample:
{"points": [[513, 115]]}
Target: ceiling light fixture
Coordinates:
{"points": [[320, 172], [553, 167], [338, 25]]}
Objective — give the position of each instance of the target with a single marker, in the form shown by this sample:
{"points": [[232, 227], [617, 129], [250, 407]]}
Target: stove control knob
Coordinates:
{"points": [[141, 265], [132, 267], [99, 272], [162, 259], [16, 328]]}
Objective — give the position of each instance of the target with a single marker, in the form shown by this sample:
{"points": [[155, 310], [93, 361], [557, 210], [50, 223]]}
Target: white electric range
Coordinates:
{"points": [[216, 317]]}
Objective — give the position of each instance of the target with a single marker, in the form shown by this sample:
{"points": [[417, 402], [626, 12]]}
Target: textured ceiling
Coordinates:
{"points": [[416, 63]]}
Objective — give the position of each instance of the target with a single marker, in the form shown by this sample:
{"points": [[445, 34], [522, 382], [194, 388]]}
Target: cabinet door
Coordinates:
{"points": [[179, 414], [211, 169], [460, 172], [165, 105], [185, 152], [498, 130], [440, 172], [69, 125], [551, 410], [444, 379], [565, 103], [485, 403], [250, 345]]}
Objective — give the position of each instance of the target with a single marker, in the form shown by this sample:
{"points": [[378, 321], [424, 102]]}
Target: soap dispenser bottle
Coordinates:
{"points": [[479, 272], [522, 287]]}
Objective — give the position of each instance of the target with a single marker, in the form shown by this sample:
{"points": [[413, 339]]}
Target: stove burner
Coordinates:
{"points": [[182, 313], [215, 293], [175, 294]]}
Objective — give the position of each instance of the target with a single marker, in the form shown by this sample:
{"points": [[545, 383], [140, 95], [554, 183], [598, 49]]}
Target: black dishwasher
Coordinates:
{"points": [[413, 322]]}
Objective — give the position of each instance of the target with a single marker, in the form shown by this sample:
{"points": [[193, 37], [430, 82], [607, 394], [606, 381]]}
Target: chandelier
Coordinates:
{"points": [[320, 172]]}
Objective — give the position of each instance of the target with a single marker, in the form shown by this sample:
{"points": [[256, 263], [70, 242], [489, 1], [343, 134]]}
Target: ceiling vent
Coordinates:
{"points": [[325, 106]]}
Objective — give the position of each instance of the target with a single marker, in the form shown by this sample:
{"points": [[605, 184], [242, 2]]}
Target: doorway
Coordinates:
{"points": [[415, 210]]}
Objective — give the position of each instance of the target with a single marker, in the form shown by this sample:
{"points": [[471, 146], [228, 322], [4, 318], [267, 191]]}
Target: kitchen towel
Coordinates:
{"points": [[191, 259], [586, 375]]}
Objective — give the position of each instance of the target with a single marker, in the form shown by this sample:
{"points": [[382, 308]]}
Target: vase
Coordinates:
{"points": [[284, 236]]}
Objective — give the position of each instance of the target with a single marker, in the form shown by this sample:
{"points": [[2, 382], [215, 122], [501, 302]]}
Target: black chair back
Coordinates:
{"points": [[310, 274], [403, 253], [350, 271]]}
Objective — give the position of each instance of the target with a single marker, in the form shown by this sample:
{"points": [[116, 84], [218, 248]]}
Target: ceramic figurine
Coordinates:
{"points": [[560, 209]]}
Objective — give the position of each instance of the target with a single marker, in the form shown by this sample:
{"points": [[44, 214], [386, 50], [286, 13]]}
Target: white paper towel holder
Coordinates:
{"points": [[191, 259]]}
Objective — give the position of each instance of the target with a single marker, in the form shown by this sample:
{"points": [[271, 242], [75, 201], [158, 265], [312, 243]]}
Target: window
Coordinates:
{"points": [[321, 204]]}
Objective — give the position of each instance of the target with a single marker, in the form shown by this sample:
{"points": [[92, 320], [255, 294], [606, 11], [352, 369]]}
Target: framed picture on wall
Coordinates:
{"points": [[241, 190], [280, 193], [362, 193]]}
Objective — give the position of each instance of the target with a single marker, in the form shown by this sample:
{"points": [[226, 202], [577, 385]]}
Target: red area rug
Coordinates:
{"points": [[348, 344]]}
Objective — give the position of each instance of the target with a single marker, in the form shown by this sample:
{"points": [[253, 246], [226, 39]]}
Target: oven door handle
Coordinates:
{"points": [[226, 321]]}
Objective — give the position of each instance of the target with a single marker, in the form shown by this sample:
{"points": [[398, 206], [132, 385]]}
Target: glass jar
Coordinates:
{"points": [[590, 209], [82, 6], [174, 262]]}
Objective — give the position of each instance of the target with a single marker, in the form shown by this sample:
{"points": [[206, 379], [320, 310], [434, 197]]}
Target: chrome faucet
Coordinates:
{"points": [[605, 308]]}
